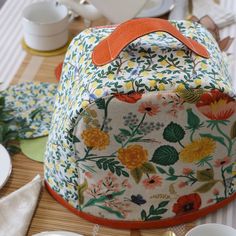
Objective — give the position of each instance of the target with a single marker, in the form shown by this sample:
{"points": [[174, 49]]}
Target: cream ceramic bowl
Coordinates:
{"points": [[212, 230], [45, 25]]}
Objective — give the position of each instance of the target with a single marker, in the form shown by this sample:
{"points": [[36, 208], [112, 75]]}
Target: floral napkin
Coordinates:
{"points": [[32, 102]]}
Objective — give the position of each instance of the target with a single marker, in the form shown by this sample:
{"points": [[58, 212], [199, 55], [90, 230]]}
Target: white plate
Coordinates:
{"points": [[154, 8], [57, 233], [5, 166]]}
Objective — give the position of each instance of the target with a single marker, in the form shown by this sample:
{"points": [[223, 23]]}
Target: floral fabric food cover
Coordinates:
{"points": [[145, 138]]}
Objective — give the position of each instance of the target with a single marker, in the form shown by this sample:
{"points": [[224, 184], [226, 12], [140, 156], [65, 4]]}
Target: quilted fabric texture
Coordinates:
{"points": [[148, 137]]}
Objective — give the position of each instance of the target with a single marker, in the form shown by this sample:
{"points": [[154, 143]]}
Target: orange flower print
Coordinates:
{"points": [[216, 105], [132, 97], [152, 182], [95, 138], [187, 171], [149, 108], [133, 156]]}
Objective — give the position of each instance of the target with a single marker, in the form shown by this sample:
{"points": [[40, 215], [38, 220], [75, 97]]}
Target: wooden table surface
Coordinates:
{"points": [[49, 214]]}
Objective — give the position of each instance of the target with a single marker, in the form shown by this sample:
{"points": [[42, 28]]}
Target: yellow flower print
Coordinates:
{"points": [[70, 171], [131, 64], [152, 83], [198, 82], [180, 53], [81, 47], [111, 76], [92, 40], [133, 156], [203, 66], [141, 54], [95, 138], [70, 187], [128, 85], [125, 55], [160, 75], [85, 104], [98, 92], [94, 84], [171, 68], [160, 34], [164, 63], [144, 73], [197, 150], [57, 166], [180, 87], [161, 86]]}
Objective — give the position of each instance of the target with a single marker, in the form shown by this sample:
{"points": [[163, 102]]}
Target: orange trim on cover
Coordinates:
{"points": [[141, 224], [109, 48]]}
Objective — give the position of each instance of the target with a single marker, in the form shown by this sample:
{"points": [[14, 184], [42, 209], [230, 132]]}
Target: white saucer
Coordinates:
{"points": [[57, 233], [155, 8], [5, 166]]}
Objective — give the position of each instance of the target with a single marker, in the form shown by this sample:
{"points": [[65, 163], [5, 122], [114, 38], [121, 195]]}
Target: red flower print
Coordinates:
{"points": [[216, 105], [187, 171], [152, 182], [149, 108], [216, 191], [222, 162], [186, 204], [132, 97], [210, 200]]}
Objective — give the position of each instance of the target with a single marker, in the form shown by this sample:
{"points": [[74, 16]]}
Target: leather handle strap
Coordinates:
{"points": [[109, 48]]}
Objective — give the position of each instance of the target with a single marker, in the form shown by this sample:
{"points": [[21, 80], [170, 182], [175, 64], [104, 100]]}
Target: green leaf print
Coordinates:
{"points": [[101, 104], [233, 130], [81, 189], [155, 213], [143, 214], [125, 132], [173, 133], [206, 187], [113, 165], [137, 174], [117, 213], [162, 171], [191, 95], [165, 155], [205, 175], [93, 201], [163, 204], [148, 168], [194, 121]]}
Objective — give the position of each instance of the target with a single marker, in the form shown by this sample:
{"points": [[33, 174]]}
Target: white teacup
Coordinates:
{"points": [[45, 25], [212, 230]]}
